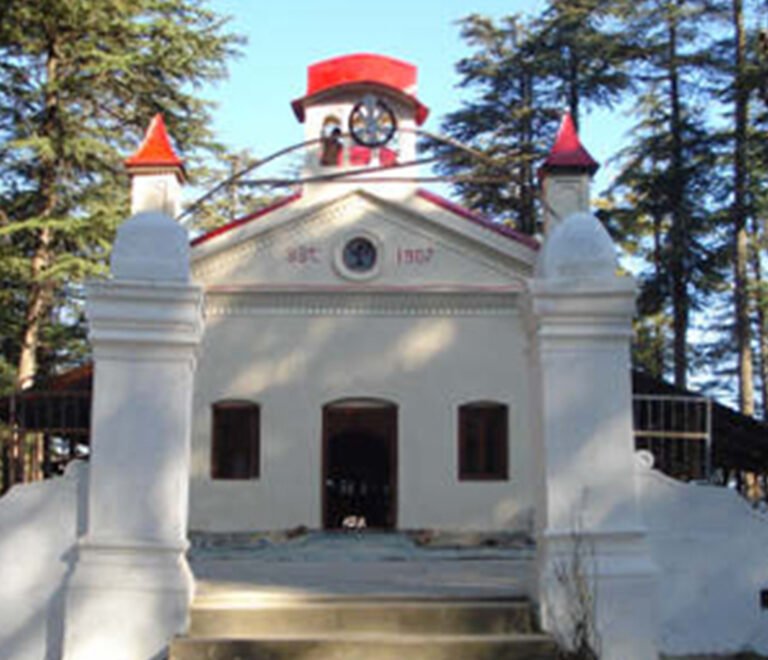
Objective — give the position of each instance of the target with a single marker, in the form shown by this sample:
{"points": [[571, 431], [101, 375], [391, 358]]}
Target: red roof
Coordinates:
{"points": [[75, 379], [463, 212], [568, 153], [362, 68], [446, 204], [156, 149], [245, 219]]}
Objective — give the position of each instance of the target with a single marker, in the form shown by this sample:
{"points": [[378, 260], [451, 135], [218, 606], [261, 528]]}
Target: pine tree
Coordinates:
{"points": [[525, 73], [79, 81], [226, 197], [508, 122], [737, 86], [671, 161], [641, 213], [585, 51]]}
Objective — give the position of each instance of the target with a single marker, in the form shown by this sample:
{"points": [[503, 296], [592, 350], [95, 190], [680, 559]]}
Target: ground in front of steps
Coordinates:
{"points": [[362, 563]]}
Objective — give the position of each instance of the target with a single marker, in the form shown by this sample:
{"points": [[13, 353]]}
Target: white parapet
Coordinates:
{"points": [[710, 546], [39, 523]]}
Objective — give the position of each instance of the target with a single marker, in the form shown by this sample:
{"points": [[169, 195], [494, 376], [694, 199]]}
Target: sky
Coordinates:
{"points": [[285, 37]]}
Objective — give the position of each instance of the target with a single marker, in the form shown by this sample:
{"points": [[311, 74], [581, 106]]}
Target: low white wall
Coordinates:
{"points": [[711, 548], [38, 528]]}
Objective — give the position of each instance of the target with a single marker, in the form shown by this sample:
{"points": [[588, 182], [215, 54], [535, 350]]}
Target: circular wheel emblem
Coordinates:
{"points": [[359, 255], [372, 122]]}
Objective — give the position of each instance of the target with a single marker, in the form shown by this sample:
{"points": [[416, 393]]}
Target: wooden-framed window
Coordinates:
{"points": [[483, 444], [235, 443]]}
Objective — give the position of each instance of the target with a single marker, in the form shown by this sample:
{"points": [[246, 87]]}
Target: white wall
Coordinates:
{"points": [[39, 527], [426, 364], [711, 547]]}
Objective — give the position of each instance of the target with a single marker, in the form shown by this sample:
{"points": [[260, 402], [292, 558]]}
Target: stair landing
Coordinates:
{"points": [[244, 567]]}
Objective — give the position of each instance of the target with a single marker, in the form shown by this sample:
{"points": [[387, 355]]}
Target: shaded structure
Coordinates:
{"points": [[43, 428], [699, 438]]}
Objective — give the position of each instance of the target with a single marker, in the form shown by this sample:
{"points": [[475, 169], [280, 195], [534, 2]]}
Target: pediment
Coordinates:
{"points": [[417, 245]]}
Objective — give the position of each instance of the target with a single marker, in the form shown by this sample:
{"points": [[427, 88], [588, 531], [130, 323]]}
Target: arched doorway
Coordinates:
{"points": [[360, 463]]}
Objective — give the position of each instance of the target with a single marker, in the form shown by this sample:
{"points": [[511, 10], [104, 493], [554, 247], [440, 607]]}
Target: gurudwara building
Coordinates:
{"points": [[365, 363]]}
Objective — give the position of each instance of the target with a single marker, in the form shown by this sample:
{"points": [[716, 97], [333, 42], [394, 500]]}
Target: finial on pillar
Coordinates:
{"points": [[157, 172], [579, 248], [565, 175]]}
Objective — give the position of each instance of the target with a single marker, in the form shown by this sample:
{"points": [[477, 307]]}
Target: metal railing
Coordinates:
{"points": [[677, 430], [40, 432]]}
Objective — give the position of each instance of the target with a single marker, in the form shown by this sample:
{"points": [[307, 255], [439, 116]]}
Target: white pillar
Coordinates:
{"points": [[156, 190], [563, 193], [131, 587], [591, 541]]}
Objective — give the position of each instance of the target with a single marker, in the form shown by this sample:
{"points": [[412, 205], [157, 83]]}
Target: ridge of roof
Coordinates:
{"points": [[238, 222], [457, 209]]}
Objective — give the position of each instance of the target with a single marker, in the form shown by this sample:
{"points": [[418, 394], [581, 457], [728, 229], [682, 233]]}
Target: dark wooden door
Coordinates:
{"points": [[360, 464]]}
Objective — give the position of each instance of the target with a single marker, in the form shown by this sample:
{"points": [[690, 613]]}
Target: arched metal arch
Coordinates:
{"points": [[334, 176]]}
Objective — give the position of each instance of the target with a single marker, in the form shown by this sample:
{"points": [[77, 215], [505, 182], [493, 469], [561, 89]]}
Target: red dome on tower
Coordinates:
{"points": [[359, 69], [568, 153], [156, 149]]}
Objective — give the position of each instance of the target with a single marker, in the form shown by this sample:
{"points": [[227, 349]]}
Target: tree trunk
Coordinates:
{"points": [[38, 306], [761, 306], [658, 331], [573, 89], [679, 212], [527, 195], [740, 239], [40, 295]]}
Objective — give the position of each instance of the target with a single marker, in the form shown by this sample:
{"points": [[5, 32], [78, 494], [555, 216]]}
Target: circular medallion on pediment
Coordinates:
{"points": [[358, 256]]}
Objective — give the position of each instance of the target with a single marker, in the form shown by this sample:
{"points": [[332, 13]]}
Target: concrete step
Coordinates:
{"points": [[240, 619], [369, 647]]}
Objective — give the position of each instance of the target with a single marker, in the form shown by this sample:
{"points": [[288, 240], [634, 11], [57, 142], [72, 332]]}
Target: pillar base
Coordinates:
{"points": [[126, 601], [602, 585]]}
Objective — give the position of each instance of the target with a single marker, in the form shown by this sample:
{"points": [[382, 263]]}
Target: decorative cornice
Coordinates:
{"points": [[350, 303], [144, 314]]}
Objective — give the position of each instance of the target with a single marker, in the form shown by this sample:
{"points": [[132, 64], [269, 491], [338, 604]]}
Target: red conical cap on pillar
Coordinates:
{"points": [[568, 154], [156, 151]]}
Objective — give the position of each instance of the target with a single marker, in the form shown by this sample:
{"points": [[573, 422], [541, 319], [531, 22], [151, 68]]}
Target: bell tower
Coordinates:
{"points": [[361, 110]]}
